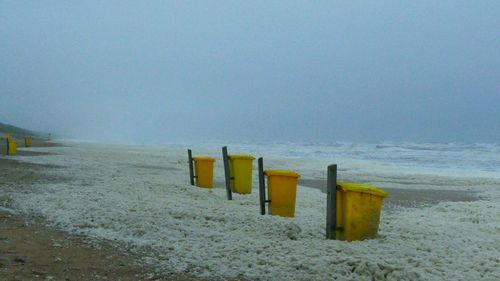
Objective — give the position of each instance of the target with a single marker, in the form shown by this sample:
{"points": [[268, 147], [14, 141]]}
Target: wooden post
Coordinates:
{"points": [[191, 168], [227, 173], [7, 152], [331, 202], [262, 187]]}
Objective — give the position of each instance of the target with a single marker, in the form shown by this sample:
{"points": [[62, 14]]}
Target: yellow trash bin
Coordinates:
{"points": [[28, 142], [240, 166], [12, 147], [281, 191], [204, 170], [358, 211]]}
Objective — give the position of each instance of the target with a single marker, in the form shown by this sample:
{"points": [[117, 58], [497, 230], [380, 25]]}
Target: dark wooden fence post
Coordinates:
{"points": [[262, 187], [7, 152], [331, 202], [227, 173], [191, 169]]}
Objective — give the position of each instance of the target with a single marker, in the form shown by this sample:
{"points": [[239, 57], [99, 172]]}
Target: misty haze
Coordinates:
{"points": [[392, 71]]}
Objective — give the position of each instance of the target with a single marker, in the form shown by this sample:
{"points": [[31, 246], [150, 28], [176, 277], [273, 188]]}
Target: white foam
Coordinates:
{"points": [[139, 196]]}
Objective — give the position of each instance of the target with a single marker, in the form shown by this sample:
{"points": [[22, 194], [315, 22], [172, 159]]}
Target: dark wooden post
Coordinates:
{"points": [[227, 173], [331, 202], [191, 169], [7, 152], [262, 187]]}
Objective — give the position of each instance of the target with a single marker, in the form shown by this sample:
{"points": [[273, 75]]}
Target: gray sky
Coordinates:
{"points": [[263, 70]]}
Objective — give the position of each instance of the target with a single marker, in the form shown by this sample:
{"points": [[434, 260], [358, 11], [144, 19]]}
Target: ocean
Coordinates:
{"points": [[447, 159]]}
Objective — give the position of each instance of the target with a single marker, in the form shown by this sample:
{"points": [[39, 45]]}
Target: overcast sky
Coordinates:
{"points": [[263, 70]]}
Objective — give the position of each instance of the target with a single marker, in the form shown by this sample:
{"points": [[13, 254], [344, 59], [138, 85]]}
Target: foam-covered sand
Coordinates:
{"points": [[139, 197]]}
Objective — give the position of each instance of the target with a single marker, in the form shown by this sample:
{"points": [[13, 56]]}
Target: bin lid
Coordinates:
{"points": [[204, 158], [283, 173], [364, 188], [241, 156]]}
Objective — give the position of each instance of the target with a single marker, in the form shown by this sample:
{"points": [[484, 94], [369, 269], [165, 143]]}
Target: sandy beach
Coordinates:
{"points": [[31, 250], [74, 212]]}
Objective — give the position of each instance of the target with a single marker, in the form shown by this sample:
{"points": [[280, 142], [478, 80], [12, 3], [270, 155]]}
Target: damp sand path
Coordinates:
{"points": [[409, 198]]}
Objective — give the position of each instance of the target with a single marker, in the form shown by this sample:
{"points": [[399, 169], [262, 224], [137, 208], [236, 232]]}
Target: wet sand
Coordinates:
{"points": [[29, 250], [408, 197]]}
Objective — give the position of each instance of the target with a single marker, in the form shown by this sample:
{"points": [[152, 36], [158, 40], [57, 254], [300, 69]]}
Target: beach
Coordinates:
{"points": [[131, 215], [31, 250]]}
